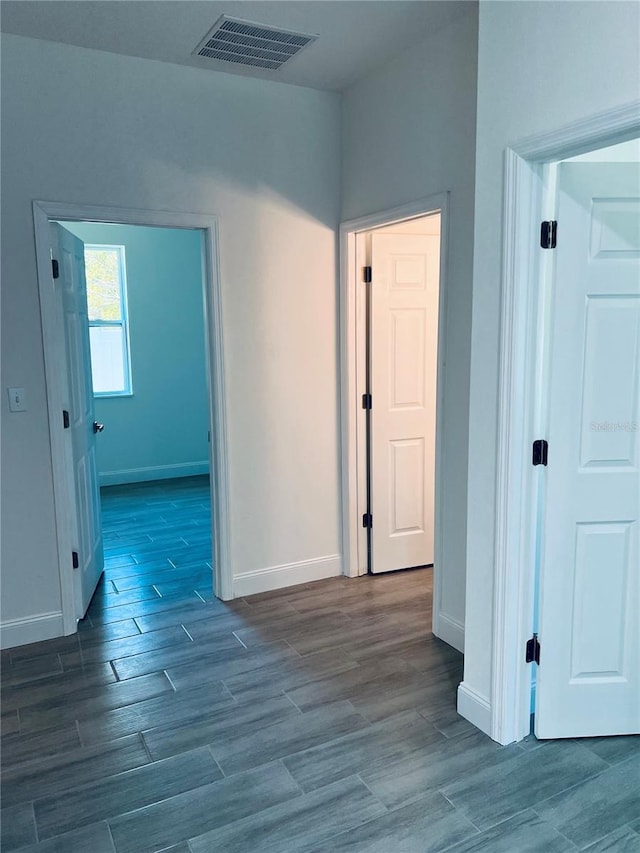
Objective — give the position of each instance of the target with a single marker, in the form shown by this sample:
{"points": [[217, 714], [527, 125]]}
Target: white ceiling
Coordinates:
{"points": [[355, 36]]}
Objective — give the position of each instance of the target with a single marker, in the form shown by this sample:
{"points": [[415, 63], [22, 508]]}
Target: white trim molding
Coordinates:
{"points": [[153, 472], [619, 124], [43, 213], [449, 630], [513, 591], [475, 707], [349, 401], [289, 574], [521, 390], [32, 629]]}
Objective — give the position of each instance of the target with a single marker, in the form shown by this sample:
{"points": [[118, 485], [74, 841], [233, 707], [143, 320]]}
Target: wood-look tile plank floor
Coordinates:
{"points": [[316, 718]]}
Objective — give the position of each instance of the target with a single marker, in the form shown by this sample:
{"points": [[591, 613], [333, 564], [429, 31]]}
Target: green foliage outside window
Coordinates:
{"points": [[103, 280]]}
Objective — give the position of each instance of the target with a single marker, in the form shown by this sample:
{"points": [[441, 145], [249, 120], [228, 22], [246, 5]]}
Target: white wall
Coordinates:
{"points": [[84, 126], [408, 132], [540, 66]]}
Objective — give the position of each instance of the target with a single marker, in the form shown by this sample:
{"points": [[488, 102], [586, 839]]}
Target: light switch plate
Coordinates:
{"points": [[17, 400]]}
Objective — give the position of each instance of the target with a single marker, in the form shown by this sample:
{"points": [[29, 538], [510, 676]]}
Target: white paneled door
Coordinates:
{"points": [[589, 626], [84, 494], [403, 364]]}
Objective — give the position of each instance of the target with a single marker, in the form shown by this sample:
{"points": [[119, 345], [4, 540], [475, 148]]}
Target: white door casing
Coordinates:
{"points": [[404, 342], [589, 624], [77, 391], [44, 212]]}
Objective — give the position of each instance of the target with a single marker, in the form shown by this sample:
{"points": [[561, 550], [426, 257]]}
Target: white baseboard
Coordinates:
{"points": [[155, 472], [19, 632], [277, 577], [475, 708], [450, 631]]}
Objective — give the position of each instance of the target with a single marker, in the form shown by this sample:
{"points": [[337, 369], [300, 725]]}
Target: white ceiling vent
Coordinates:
{"points": [[245, 43]]}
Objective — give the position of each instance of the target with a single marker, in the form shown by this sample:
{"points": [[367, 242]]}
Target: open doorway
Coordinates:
{"points": [[589, 494], [135, 377], [569, 399], [146, 328], [393, 305], [399, 401]]}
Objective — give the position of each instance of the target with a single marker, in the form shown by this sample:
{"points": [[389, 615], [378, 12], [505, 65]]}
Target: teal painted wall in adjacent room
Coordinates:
{"points": [[161, 430]]}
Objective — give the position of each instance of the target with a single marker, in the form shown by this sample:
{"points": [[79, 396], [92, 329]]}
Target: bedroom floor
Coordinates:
{"points": [[317, 718]]}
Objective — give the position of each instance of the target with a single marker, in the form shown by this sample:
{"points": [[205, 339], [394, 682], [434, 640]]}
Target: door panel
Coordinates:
{"points": [[404, 326], [407, 484], [78, 392], [611, 348], [593, 654], [589, 675], [407, 386]]}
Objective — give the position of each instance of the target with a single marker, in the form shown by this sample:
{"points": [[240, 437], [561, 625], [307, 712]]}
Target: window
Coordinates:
{"points": [[108, 333]]}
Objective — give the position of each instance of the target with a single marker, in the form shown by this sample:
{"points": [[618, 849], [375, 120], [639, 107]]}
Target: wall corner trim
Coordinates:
{"points": [[289, 574], [32, 629], [475, 707]]}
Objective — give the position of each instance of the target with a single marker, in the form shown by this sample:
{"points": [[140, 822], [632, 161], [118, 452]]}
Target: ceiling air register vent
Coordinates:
{"points": [[250, 44]]}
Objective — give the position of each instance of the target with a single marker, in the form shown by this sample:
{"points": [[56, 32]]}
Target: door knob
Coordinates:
{"points": [[97, 427]]}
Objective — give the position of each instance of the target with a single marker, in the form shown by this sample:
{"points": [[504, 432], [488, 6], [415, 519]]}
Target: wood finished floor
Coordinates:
{"points": [[320, 718]]}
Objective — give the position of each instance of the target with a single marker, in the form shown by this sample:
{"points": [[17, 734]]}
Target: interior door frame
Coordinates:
{"points": [[517, 484], [351, 360], [53, 342]]}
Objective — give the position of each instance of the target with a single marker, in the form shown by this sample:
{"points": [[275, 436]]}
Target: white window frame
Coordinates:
{"points": [[123, 322]]}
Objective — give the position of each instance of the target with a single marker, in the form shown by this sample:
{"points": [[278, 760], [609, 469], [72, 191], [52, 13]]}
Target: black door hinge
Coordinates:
{"points": [[75, 559], [65, 419], [367, 520], [540, 454], [367, 401], [549, 234], [533, 650], [366, 275], [55, 268]]}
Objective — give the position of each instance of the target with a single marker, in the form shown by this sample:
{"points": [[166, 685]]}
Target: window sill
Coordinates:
{"points": [[101, 395]]}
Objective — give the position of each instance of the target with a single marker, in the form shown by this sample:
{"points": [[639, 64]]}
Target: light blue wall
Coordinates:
{"points": [[160, 431]]}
